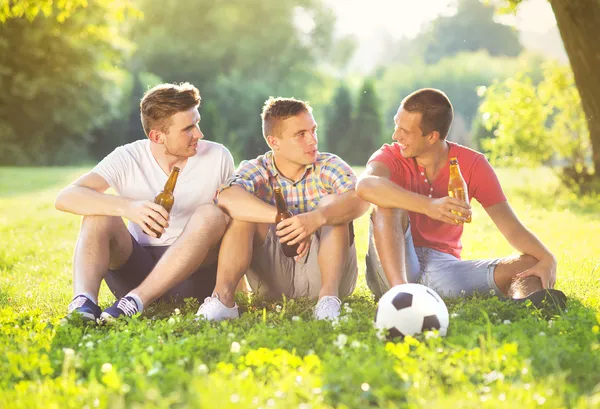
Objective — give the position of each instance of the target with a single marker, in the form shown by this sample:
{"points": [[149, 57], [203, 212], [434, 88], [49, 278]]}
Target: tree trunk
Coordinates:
{"points": [[578, 22]]}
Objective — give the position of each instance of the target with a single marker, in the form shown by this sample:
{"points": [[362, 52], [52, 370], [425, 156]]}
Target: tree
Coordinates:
{"points": [[536, 124], [366, 132], [578, 22], [236, 61], [472, 28], [60, 80], [339, 120]]}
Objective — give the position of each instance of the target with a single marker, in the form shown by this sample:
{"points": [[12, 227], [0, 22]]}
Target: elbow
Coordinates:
{"points": [[60, 201], [363, 188]]}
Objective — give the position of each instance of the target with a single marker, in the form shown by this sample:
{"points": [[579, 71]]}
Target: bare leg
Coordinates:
{"points": [[235, 256], [202, 233], [505, 276], [104, 242], [389, 229], [333, 254]]}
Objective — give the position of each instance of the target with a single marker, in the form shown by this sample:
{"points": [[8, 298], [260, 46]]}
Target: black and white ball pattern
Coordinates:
{"points": [[410, 309]]}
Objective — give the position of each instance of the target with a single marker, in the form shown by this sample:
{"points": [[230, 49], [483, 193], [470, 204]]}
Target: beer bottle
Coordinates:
{"points": [[457, 187], [165, 197], [282, 214]]}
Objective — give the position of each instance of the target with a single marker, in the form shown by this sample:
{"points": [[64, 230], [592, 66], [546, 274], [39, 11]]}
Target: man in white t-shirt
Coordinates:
{"points": [[137, 266]]}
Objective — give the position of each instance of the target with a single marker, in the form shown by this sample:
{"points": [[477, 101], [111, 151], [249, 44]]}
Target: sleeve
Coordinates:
{"points": [[337, 176], [113, 167], [385, 155], [248, 176], [484, 185], [227, 166]]}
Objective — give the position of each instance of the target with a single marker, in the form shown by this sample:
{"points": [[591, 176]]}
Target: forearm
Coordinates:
{"points": [[88, 202], [237, 203], [343, 209], [384, 193], [523, 240]]}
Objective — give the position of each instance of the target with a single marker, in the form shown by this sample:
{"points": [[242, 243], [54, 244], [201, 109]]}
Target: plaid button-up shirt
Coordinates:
{"points": [[328, 175]]}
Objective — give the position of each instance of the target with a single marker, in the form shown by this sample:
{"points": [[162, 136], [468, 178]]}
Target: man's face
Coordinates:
{"points": [[408, 133], [182, 136], [297, 142]]}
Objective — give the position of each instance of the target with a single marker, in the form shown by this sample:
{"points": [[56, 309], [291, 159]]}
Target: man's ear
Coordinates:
{"points": [[156, 136], [433, 137], [273, 142]]}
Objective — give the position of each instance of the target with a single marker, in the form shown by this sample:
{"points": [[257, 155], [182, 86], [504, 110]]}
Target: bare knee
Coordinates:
{"points": [[105, 225], [382, 217], [527, 261], [209, 216]]}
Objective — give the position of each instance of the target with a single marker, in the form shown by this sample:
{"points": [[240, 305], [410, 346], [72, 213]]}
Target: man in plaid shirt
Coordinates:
{"points": [[319, 189]]}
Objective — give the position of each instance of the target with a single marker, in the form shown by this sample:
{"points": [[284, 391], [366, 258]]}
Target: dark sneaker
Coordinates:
{"points": [[549, 298], [85, 308], [126, 306]]}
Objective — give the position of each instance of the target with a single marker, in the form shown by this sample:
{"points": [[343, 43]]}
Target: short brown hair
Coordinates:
{"points": [[279, 109], [435, 108], [165, 100]]}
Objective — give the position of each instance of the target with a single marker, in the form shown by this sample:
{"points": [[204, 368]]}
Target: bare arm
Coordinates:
{"points": [[523, 240], [342, 209], [339, 209], [239, 204], [86, 197], [375, 186]]}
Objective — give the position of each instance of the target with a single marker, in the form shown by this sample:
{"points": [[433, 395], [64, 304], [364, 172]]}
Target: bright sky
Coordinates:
{"points": [[404, 18]]}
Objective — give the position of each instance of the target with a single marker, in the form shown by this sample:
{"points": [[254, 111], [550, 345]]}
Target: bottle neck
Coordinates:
{"points": [[454, 170], [170, 185], [280, 201]]}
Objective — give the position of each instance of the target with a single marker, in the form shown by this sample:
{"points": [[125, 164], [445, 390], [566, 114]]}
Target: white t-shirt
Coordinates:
{"points": [[132, 172]]}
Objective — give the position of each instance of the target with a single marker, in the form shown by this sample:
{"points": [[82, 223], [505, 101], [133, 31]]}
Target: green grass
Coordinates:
{"points": [[275, 355]]}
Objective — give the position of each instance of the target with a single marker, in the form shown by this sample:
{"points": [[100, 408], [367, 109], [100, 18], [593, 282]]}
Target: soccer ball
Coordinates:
{"points": [[410, 309]]}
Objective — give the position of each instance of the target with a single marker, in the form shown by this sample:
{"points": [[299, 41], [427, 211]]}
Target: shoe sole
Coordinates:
{"points": [[546, 298], [85, 316]]}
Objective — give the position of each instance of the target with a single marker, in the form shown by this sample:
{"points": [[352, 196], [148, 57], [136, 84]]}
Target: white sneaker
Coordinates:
{"points": [[328, 308], [212, 309]]}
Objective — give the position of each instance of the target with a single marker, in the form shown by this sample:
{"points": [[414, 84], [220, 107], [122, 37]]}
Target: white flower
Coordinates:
{"points": [[171, 321], [355, 344], [235, 347], [506, 322], [347, 308], [341, 341], [230, 335], [89, 344], [150, 350], [28, 294], [453, 315], [177, 311], [296, 318], [365, 387], [380, 334], [310, 352], [492, 292], [278, 308], [542, 333], [234, 398], [106, 367], [68, 352], [202, 368]]}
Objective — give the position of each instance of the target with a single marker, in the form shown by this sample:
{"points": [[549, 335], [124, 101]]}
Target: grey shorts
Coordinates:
{"points": [[272, 274], [141, 262], [447, 275]]}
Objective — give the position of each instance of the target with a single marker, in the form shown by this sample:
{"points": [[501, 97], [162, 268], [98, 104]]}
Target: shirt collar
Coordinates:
{"points": [[274, 172]]}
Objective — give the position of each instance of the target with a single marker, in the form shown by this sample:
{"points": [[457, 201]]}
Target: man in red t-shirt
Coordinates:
{"points": [[416, 227]]}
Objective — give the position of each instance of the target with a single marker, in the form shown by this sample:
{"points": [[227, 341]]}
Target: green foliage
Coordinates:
{"points": [[339, 119], [365, 136], [472, 28], [32, 8], [276, 354], [59, 81], [539, 123]]}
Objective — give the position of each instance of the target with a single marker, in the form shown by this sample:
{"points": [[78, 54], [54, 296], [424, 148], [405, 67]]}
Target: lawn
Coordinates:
{"points": [[276, 356]]}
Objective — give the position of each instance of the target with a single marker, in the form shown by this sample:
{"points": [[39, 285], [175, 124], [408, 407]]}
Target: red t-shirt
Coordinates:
{"points": [[482, 184]]}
